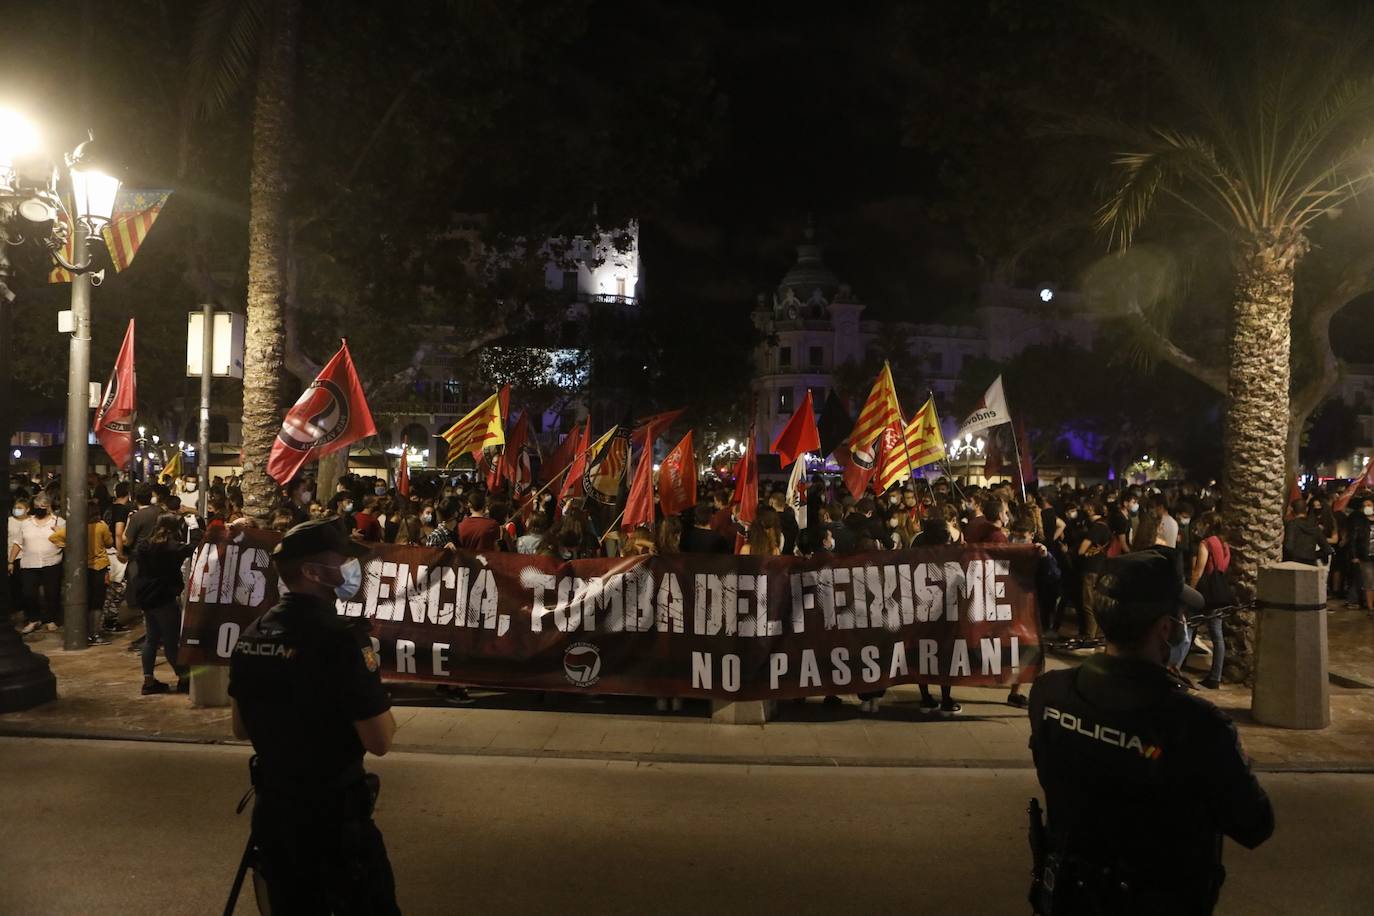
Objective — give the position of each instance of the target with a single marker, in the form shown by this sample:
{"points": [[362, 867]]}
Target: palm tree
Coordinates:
{"points": [[236, 39], [1272, 131]]}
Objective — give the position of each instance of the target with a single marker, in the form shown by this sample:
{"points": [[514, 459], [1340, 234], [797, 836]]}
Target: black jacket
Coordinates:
{"points": [[1144, 778], [158, 580]]}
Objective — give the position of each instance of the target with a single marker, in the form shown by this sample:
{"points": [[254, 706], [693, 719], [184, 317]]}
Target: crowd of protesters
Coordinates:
{"points": [[141, 534]]}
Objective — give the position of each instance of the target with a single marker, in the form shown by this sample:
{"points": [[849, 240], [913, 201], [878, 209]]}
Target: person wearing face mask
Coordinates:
{"points": [[1123, 751], [306, 690], [34, 542]]}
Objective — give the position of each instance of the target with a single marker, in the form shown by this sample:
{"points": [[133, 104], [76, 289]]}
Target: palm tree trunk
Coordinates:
{"points": [[263, 364], [1256, 435]]}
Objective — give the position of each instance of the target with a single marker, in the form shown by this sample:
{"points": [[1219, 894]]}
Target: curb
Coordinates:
{"points": [[651, 757]]}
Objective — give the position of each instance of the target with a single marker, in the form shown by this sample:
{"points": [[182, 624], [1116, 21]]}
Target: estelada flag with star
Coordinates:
{"points": [[922, 444], [114, 420], [483, 427], [329, 415], [858, 454], [799, 435]]}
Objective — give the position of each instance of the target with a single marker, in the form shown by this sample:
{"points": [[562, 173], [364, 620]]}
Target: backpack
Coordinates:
{"points": [[1213, 584]]}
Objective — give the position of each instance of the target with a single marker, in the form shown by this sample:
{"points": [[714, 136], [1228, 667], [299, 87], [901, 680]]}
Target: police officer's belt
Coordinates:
{"points": [[265, 780]]}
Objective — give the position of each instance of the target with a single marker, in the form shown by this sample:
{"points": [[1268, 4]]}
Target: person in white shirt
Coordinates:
{"points": [[40, 565], [1166, 526]]}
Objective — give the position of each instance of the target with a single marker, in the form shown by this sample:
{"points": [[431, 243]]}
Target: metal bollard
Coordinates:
{"points": [[1291, 689]]}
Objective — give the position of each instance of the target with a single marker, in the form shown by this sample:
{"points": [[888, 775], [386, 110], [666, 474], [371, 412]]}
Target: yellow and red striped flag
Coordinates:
{"points": [[880, 411], [924, 444], [134, 214], [482, 428], [60, 274]]}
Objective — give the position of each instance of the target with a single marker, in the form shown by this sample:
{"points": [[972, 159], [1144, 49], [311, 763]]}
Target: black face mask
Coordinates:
{"points": [[39, 513]]}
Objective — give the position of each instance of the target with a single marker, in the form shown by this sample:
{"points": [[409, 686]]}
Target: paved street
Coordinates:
{"points": [[141, 827]]}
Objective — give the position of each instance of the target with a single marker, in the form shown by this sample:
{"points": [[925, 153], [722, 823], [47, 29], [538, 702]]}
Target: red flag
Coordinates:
{"points": [[572, 483], [647, 431], [330, 415], [114, 421], [799, 435], [677, 478], [746, 498], [507, 468], [562, 457], [639, 507], [1366, 479], [403, 472]]}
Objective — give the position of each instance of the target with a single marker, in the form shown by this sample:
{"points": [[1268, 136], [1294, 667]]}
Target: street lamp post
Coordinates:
{"points": [[93, 193]]}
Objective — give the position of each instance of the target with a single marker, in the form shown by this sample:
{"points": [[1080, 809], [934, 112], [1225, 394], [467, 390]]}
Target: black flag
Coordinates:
{"points": [[835, 423]]}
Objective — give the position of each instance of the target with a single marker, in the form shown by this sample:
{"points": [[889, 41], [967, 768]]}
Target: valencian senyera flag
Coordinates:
{"points": [[483, 427], [331, 414], [923, 444], [135, 211], [114, 420]]}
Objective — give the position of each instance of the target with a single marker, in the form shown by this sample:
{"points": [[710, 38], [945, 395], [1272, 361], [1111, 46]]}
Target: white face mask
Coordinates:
{"points": [[427, 517], [352, 572], [1369, 510]]}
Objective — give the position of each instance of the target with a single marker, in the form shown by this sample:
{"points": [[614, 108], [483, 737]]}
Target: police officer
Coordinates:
{"points": [[307, 693], [1142, 778]]}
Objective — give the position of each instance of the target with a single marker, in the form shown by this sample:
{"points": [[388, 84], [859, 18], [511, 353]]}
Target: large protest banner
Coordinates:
{"points": [[686, 625]]}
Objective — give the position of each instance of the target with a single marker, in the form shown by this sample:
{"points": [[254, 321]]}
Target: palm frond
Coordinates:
{"points": [[1175, 159], [223, 48]]}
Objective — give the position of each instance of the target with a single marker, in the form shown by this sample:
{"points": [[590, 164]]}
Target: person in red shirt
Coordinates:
{"points": [[478, 532], [365, 524], [987, 528], [723, 520]]}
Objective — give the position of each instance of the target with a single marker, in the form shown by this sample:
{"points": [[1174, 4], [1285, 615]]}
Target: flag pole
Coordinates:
{"points": [[944, 461], [1016, 449]]}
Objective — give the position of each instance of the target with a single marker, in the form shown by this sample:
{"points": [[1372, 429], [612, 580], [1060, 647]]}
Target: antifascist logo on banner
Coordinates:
{"points": [[582, 664]]}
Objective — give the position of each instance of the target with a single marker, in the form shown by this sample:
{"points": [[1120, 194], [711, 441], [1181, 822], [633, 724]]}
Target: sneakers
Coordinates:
{"points": [[675, 704], [929, 703], [1209, 683], [28, 628], [115, 627], [183, 685], [152, 687], [1017, 700], [868, 706], [97, 639], [51, 627], [661, 704], [949, 709], [1352, 605]]}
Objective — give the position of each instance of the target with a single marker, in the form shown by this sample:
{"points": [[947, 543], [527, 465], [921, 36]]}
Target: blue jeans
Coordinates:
{"points": [[164, 628], [1218, 649]]}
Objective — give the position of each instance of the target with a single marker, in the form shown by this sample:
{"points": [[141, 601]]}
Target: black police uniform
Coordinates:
{"points": [[1141, 779], [302, 677]]}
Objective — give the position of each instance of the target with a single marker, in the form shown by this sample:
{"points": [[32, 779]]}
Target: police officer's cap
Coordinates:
{"points": [[1146, 579], [321, 535]]}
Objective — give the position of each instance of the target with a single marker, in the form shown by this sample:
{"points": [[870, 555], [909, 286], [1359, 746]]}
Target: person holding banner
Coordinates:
{"points": [[306, 691]]}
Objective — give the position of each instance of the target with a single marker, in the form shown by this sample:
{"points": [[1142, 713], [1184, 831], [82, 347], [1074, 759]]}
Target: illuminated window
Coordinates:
{"points": [[785, 400]]}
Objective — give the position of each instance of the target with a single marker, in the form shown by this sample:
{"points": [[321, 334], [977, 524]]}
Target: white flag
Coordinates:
{"points": [[794, 493], [990, 411]]}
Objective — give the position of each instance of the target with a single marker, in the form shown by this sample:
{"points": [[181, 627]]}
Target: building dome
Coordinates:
{"points": [[809, 274]]}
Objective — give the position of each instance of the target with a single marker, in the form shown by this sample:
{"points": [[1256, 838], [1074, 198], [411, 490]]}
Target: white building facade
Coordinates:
{"points": [[813, 324]]}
